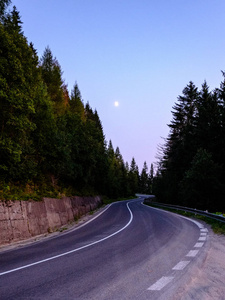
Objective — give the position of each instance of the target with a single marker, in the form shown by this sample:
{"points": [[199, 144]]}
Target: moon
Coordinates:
{"points": [[116, 103]]}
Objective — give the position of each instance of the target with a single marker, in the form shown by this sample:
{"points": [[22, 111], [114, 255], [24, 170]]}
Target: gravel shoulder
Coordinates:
{"points": [[208, 282]]}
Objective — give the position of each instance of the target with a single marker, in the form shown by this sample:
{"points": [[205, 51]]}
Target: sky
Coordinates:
{"points": [[138, 53]]}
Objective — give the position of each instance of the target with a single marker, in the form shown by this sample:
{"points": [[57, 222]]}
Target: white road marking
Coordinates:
{"points": [[74, 250], [161, 283], [198, 245], [200, 226], [204, 230], [192, 253], [181, 265]]}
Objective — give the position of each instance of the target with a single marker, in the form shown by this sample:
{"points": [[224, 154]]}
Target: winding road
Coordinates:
{"points": [[129, 251]]}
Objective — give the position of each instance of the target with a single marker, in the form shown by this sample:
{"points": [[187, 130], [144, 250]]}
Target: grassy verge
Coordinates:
{"points": [[217, 226]]}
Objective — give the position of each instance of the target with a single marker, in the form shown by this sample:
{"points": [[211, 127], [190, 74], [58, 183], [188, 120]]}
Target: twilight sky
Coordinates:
{"points": [[140, 53]]}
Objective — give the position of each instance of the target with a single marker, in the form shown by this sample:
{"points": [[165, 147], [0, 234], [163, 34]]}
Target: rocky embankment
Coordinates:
{"points": [[20, 220]]}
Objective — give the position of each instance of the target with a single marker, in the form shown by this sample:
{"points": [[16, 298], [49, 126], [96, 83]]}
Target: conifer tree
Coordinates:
{"points": [[52, 76], [201, 187], [151, 179], [133, 177], [3, 6], [192, 165], [76, 103], [208, 121], [180, 146], [144, 180]]}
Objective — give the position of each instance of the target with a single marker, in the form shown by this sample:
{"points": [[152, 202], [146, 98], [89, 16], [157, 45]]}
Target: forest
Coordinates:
{"points": [[191, 166], [51, 143]]}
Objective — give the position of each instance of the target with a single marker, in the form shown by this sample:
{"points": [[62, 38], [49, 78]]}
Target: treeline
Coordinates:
{"points": [[51, 143], [191, 170]]}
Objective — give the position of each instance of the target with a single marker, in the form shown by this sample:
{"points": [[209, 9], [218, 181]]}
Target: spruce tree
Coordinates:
{"points": [[133, 177], [144, 180], [52, 76], [76, 103]]}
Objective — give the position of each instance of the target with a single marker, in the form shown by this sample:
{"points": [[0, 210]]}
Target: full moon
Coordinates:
{"points": [[116, 103]]}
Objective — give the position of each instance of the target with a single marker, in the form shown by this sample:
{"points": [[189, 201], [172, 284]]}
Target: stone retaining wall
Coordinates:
{"points": [[21, 220]]}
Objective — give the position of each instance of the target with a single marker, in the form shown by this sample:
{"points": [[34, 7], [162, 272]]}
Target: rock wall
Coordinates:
{"points": [[21, 220]]}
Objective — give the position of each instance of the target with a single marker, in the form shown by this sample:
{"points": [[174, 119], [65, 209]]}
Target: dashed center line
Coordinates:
{"points": [[202, 238]]}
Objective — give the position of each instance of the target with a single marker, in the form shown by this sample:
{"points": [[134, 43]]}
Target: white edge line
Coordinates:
{"points": [[161, 283], [74, 250], [181, 265], [192, 253], [198, 245]]}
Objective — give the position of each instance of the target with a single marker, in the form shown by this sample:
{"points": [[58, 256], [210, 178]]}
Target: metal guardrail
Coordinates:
{"points": [[187, 209], [145, 196]]}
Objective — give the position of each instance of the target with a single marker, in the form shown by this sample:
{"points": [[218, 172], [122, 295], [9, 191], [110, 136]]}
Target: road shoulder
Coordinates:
{"points": [[208, 282]]}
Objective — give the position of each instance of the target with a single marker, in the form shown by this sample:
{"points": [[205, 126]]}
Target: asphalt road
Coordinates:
{"points": [[130, 251]]}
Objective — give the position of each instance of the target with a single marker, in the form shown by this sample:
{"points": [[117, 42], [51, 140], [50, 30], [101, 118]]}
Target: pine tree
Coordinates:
{"points": [[133, 177], [111, 170], [208, 121], [144, 180], [76, 103], [96, 148], [52, 76], [151, 179], [3, 6]]}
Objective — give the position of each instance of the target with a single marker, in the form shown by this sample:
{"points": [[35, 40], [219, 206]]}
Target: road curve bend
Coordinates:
{"points": [[130, 251]]}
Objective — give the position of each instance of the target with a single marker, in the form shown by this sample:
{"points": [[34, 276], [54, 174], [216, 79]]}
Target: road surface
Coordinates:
{"points": [[130, 251]]}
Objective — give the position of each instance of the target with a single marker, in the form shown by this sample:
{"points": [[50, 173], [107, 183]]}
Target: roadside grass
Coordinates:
{"points": [[219, 214], [217, 226]]}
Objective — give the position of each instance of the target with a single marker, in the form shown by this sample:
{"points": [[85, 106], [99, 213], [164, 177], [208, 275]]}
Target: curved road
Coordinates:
{"points": [[130, 251]]}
